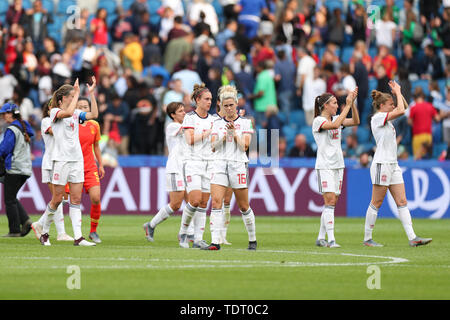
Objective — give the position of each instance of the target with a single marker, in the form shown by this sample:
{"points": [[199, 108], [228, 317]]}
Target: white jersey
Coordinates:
{"points": [[329, 150], [385, 137], [201, 150], [229, 149], [65, 132], [47, 163], [174, 139]]}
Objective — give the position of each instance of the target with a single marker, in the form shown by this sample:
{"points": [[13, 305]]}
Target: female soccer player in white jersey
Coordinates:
{"points": [[67, 157], [174, 168], [327, 131], [384, 171], [46, 167], [197, 165], [230, 140]]}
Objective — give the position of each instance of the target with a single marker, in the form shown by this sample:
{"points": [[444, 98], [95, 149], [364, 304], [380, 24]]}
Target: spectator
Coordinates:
{"points": [[301, 148], [431, 67], [175, 94], [16, 13], [364, 160], [421, 116], [382, 79], [444, 109], [388, 61], [187, 76], [392, 9], [272, 122], [345, 85], [358, 23], [413, 31], [176, 5], [211, 19], [79, 31], [176, 49], [119, 27], [36, 23], [178, 30], [264, 93], [232, 57], [99, 28], [132, 54], [405, 84], [352, 148], [305, 69], [167, 23], [138, 7], [409, 62], [285, 80], [228, 33], [282, 146], [116, 124], [152, 52], [143, 27], [7, 84], [312, 88], [336, 28], [385, 31], [230, 9], [25, 105], [250, 15], [361, 76], [261, 51]]}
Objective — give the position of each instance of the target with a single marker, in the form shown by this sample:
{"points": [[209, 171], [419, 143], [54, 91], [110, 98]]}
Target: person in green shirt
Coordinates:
{"points": [[264, 93]]}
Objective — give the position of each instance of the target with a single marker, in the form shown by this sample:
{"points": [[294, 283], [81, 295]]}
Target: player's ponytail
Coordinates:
{"points": [[18, 117], [46, 109], [379, 98], [199, 89], [320, 101], [58, 95]]}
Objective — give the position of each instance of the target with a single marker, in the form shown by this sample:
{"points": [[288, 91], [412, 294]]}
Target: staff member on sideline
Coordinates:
{"points": [[15, 150]]}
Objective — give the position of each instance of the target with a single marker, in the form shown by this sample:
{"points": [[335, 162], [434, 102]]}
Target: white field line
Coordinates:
{"points": [[208, 264]]}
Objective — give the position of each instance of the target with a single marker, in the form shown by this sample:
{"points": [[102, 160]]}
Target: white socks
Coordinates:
{"points": [[226, 217], [199, 223], [249, 221], [322, 230], [215, 225], [371, 218], [59, 220], [328, 221], [405, 217], [162, 215], [186, 218], [47, 219], [75, 216]]}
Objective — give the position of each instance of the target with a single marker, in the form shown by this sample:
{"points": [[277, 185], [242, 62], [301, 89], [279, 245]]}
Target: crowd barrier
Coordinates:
{"points": [[137, 186]]}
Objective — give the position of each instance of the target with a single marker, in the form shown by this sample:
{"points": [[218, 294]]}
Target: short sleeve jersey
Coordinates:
{"points": [[229, 150], [47, 163], [174, 139], [65, 132], [89, 134], [201, 150], [385, 138], [329, 150]]}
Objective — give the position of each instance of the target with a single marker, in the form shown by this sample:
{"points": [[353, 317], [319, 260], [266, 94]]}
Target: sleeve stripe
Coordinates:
{"points": [[321, 126], [48, 129], [385, 118], [188, 128], [56, 116]]}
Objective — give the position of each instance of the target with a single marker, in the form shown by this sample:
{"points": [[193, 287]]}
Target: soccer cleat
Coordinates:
{"points": [[45, 241], [418, 241], [321, 243], [252, 245], [225, 241], [26, 228], [37, 228], [211, 247], [94, 237], [183, 241], [83, 243], [371, 243], [64, 237], [199, 244], [149, 231], [190, 238], [333, 244]]}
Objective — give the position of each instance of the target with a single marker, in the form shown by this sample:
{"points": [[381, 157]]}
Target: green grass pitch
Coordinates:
{"points": [[286, 266]]}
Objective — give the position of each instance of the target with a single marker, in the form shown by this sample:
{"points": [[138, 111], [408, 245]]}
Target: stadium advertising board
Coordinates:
{"points": [[141, 190]]}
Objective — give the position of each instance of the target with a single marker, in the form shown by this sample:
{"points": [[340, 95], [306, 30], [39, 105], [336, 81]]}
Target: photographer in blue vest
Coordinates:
{"points": [[15, 152]]}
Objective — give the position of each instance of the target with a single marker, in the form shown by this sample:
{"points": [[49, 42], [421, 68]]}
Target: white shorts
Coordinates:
{"points": [[232, 174], [174, 182], [46, 176], [386, 174], [197, 175], [64, 172], [330, 180]]}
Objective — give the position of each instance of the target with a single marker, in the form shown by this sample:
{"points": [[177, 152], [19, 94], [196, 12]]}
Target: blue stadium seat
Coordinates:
{"points": [[333, 4], [289, 133], [347, 53], [363, 134], [109, 5], [367, 146], [372, 84], [438, 148], [110, 18], [63, 5], [3, 7], [219, 9], [297, 117], [26, 4], [3, 19], [307, 131], [372, 52], [48, 5], [420, 83], [154, 6], [442, 83], [283, 117], [437, 132], [126, 4]]}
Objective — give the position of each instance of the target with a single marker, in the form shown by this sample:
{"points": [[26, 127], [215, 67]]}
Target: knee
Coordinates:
{"points": [[402, 202], [377, 203], [194, 202], [95, 199], [75, 200], [216, 203], [175, 205]]}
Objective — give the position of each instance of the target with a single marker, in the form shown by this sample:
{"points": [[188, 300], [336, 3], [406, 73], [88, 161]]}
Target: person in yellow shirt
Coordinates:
{"points": [[132, 53]]}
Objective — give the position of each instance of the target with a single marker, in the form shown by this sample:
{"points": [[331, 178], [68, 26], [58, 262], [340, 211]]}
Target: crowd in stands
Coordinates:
{"points": [[280, 54]]}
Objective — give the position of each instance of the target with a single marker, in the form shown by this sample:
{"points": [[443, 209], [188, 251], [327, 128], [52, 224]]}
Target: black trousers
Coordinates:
{"points": [[15, 212]]}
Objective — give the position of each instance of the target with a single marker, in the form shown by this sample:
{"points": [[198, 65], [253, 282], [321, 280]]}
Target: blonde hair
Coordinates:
{"points": [[227, 92]]}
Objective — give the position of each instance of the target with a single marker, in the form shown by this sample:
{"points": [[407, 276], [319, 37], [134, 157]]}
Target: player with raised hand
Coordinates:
{"points": [[67, 158], [197, 165], [174, 168], [327, 131], [89, 134], [384, 171], [230, 140], [46, 168]]}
